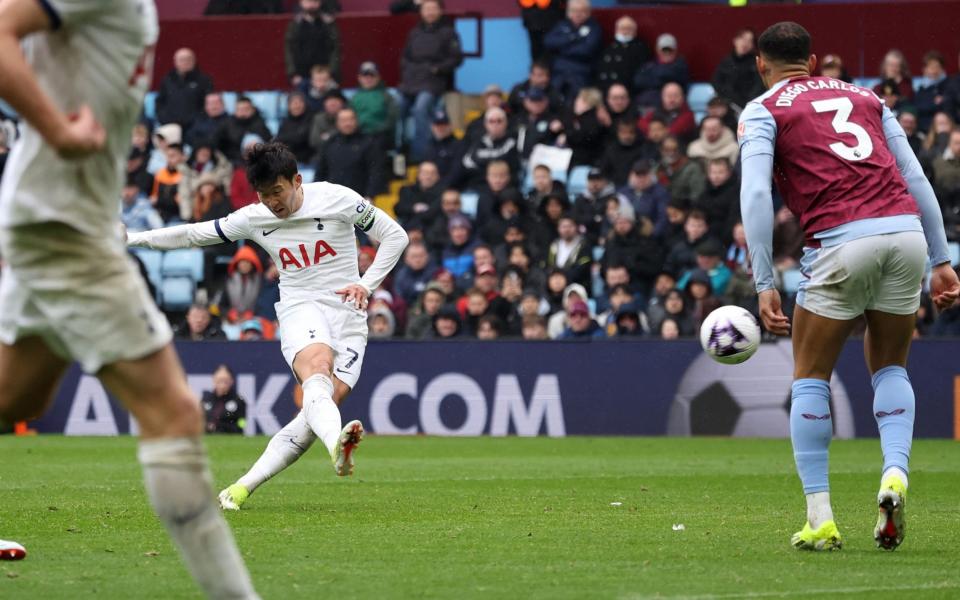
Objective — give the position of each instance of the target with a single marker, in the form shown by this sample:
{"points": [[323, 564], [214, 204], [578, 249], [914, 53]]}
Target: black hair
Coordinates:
{"points": [[267, 162], [227, 369], [785, 42], [540, 64]]}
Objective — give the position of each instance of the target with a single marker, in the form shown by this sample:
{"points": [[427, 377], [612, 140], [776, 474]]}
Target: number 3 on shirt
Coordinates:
{"points": [[842, 107]]}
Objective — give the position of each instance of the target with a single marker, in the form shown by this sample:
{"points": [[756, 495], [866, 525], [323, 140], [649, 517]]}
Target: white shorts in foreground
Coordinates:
{"points": [[877, 272], [329, 321], [81, 294]]}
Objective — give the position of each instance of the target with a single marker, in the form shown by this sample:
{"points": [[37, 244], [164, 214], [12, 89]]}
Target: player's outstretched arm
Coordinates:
{"points": [[72, 136], [207, 233]]}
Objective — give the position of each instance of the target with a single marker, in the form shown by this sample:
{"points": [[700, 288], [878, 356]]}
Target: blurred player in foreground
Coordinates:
{"points": [[843, 165], [309, 232], [70, 292]]}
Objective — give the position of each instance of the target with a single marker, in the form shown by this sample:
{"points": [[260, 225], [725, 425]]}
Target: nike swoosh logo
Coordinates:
{"points": [[339, 370], [266, 233]]}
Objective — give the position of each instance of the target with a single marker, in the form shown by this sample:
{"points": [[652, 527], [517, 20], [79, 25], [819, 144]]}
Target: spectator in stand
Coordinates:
{"points": [[244, 278], [539, 17], [555, 293], [736, 77], [165, 196], [788, 240], [138, 157], [700, 297], [937, 138], [136, 212], [929, 97], [375, 107], [534, 328], [654, 308], [832, 66], [545, 231], [675, 309], [243, 7], [623, 57], [497, 181], [475, 305], [421, 200], [199, 325], [624, 150], [946, 176], [539, 78], [421, 317], [163, 136], [616, 296], [204, 160], [520, 260], [206, 125], [669, 329], [715, 141], [536, 124], [915, 137], [246, 119], [709, 261], [543, 185], [182, 91], [581, 325], [720, 201], [890, 94], [430, 56], [457, 255], [295, 128], [574, 43], [646, 196], [351, 158], [435, 234], [668, 66], [511, 208], [497, 144], [584, 127], [951, 96], [447, 324], [224, 410], [492, 98], [241, 192], [324, 123], [633, 246], [618, 104], [444, 149], [209, 202], [482, 259], [894, 67], [677, 211], [381, 323], [312, 38], [490, 327], [570, 252], [589, 206], [683, 255], [683, 178], [414, 275], [316, 87], [674, 112], [719, 107], [629, 322]]}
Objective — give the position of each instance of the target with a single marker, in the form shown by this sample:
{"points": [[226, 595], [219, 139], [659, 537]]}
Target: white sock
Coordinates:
{"points": [[818, 509], [284, 449], [320, 411], [895, 471], [178, 483]]}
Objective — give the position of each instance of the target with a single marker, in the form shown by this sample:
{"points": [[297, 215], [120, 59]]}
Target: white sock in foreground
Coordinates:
{"points": [[284, 449], [321, 411], [178, 483], [818, 509]]}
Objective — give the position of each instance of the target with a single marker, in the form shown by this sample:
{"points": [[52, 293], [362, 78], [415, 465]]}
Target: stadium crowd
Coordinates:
{"points": [[646, 247]]}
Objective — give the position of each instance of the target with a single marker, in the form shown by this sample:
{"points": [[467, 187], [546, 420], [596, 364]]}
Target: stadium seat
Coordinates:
{"points": [[230, 102], [954, 249], [577, 183], [273, 125], [791, 281], [151, 259], [307, 172], [187, 262], [469, 202], [176, 293], [267, 102], [866, 82], [598, 252], [699, 95], [699, 115], [282, 105], [150, 106], [528, 178]]}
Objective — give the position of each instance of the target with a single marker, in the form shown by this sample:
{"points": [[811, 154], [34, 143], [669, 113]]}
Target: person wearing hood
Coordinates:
{"points": [[244, 274], [581, 324], [624, 56], [376, 109], [559, 320], [511, 208], [629, 321], [381, 323], [715, 141], [736, 77], [720, 201], [295, 128], [457, 255], [205, 164], [245, 120], [446, 323]]}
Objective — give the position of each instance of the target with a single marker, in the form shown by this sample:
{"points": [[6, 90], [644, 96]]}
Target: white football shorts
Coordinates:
{"points": [[877, 272], [329, 321], [82, 295]]}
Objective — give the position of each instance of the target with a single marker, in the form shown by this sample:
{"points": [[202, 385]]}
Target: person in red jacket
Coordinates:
{"points": [[674, 112]]}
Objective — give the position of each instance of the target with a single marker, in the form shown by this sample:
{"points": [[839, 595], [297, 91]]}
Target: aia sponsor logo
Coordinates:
{"points": [[897, 411], [301, 257]]}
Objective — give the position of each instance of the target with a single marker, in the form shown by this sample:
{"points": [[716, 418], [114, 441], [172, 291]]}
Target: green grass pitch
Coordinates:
{"points": [[493, 518]]}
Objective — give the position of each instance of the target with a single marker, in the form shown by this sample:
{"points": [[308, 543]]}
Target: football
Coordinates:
{"points": [[730, 335]]}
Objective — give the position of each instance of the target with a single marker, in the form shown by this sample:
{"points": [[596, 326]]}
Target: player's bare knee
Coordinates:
{"points": [[320, 364]]}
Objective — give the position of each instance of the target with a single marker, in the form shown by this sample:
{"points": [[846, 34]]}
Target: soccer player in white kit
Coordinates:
{"points": [[308, 229], [69, 291]]}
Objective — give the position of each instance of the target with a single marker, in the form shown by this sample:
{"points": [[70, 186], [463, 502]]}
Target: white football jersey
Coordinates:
{"points": [[315, 248], [99, 53]]}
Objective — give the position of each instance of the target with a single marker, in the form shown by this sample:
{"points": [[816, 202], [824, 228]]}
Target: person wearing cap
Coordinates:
{"points": [[171, 133], [589, 205], [245, 119], [581, 326], [575, 44], [182, 90], [295, 128], [457, 255], [710, 261], [351, 158], [667, 66], [430, 56], [375, 107], [312, 38], [622, 150], [625, 54], [492, 98], [645, 194], [736, 77], [537, 124], [496, 144], [539, 77], [444, 149]]}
